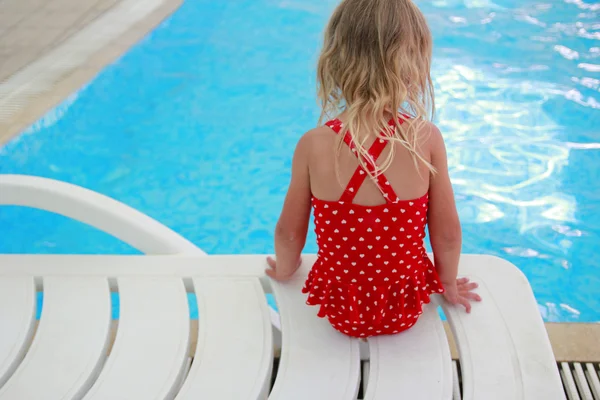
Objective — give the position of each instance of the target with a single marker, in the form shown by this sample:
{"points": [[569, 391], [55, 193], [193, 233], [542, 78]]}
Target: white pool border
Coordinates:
{"points": [[42, 75]]}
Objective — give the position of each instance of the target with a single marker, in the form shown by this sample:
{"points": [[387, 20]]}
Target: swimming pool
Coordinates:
{"points": [[196, 125]]}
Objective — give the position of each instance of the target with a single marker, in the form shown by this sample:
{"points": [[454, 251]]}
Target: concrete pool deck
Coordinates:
{"points": [[48, 49]]}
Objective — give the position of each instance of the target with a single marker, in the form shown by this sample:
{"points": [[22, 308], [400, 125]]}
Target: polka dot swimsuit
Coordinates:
{"points": [[372, 274]]}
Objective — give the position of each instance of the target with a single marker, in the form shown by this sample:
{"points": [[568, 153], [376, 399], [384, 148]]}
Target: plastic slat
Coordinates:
{"points": [[568, 381], [151, 347], [234, 355], [317, 362], [581, 382], [506, 329], [416, 362], [70, 344], [592, 377], [17, 316]]}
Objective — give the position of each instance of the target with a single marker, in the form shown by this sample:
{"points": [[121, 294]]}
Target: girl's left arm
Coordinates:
{"points": [[292, 227]]}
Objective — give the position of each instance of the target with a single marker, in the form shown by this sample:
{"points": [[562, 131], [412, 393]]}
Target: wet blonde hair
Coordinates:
{"points": [[375, 60]]}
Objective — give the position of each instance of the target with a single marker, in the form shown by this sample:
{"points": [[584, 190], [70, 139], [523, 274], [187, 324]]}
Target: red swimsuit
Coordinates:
{"points": [[372, 275]]}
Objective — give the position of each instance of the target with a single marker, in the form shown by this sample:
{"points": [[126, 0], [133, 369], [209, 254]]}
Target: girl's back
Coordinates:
{"points": [[375, 175], [331, 171]]}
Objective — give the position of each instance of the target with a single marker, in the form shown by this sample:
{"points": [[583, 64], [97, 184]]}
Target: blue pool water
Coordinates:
{"points": [[196, 125]]}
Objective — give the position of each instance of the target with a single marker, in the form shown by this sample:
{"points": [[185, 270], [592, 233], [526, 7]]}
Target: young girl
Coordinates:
{"points": [[375, 175]]}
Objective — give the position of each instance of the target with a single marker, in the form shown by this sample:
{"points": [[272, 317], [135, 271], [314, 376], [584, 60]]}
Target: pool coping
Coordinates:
{"points": [[32, 91]]}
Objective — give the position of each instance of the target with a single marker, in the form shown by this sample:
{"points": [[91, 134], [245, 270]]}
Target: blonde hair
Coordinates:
{"points": [[375, 60]]}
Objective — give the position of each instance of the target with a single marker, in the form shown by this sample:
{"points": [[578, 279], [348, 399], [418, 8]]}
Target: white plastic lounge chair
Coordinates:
{"points": [[504, 349], [110, 216]]}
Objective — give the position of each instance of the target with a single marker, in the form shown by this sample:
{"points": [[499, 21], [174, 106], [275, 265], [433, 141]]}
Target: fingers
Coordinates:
{"points": [[465, 303], [462, 294], [451, 298], [472, 296], [271, 273], [465, 300], [467, 287], [466, 291], [459, 300]]}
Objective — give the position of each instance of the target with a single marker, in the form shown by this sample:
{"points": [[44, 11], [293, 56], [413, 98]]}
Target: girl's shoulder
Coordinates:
{"points": [[320, 132], [313, 143], [428, 138], [317, 138], [431, 139], [430, 131], [427, 132]]}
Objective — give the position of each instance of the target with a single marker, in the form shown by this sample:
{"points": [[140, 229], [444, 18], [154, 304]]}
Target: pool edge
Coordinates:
{"points": [[25, 103]]}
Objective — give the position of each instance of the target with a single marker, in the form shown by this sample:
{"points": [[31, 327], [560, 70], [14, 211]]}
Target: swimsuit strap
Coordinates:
{"points": [[360, 174]]}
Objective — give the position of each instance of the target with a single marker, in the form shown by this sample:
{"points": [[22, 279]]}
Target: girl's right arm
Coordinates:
{"points": [[444, 227]]}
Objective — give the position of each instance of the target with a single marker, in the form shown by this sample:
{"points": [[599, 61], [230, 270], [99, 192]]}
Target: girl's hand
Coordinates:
{"points": [[461, 292], [272, 271]]}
